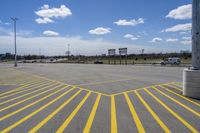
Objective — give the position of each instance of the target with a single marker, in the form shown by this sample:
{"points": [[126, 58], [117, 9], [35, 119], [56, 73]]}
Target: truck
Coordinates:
{"points": [[171, 61]]}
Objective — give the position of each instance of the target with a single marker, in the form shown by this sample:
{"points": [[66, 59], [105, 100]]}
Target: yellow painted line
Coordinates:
{"points": [[179, 103], [92, 115], [134, 114], [19, 88], [24, 90], [24, 100], [154, 115], [43, 122], [31, 104], [113, 116], [33, 113], [128, 91], [38, 76], [191, 128], [93, 91], [5, 84], [105, 82], [178, 83], [15, 98], [120, 93], [174, 87], [71, 116], [185, 98]]}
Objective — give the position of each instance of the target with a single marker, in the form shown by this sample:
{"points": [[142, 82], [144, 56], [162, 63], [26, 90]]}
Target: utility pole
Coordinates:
{"points": [[68, 50], [191, 76], [15, 41]]}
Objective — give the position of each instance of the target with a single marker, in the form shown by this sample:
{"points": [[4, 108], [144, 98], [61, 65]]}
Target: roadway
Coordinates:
{"points": [[95, 98]]}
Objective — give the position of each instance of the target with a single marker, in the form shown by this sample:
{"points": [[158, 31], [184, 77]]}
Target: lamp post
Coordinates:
{"points": [[15, 42], [191, 76]]}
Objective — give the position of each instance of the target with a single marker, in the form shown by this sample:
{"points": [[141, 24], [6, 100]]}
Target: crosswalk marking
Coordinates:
{"points": [[20, 91], [113, 116], [71, 116], [43, 122], [33, 113], [23, 95], [134, 115], [180, 96], [155, 116], [19, 88], [175, 87], [17, 103], [92, 115], [179, 103], [172, 112], [29, 105]]}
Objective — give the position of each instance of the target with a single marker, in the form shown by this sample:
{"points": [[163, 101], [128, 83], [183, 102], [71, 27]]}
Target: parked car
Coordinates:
{"points": [[98, 62], [171, 61]]}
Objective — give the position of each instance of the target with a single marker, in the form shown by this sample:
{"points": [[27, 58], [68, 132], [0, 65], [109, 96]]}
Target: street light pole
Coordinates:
{"points": [[15, 40]]}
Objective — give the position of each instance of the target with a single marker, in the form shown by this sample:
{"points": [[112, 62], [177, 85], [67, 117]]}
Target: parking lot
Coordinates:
{"points": [[95, 98]]}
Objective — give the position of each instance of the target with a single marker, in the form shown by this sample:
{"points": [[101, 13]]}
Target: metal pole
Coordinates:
{"points": [[196, 35], [68, 51], [120, 59], [15, 40], [126, 59]]}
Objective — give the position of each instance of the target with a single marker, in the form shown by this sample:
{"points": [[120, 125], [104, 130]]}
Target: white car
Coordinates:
{"points": [[171, 61]]}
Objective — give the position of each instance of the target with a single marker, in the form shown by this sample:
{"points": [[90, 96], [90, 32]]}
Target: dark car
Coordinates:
{"points": [[98, 62]]}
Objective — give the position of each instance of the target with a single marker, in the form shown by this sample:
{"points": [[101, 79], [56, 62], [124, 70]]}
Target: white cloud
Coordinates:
{"points": [[186, 42], [100, 31], [184, 32], [46, 14], [57, 45], [50, 33], [132, 37], [171, 40], [44, 20], [187, 38], [132, 22], [179, 27], [156, 40], [182, 12], [9, 32], [7, 23]]}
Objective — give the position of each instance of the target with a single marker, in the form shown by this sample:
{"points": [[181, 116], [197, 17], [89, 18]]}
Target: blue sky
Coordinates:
{"points": [[93, 26]]}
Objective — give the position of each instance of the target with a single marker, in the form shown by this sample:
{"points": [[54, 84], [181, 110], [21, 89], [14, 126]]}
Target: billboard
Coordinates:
{"points": [[111, 52]]}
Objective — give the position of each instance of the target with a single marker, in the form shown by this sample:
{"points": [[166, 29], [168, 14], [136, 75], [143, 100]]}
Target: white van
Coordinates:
{"points": [[171, 61]]}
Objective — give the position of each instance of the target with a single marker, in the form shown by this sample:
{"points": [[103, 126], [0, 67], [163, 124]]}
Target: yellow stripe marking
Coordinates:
{"points": [[34, 113], [113, 116], [71, 116], [14, 104], [104, 82], [26, 94], [31, 104], [19, 88], [181, 96], [93, 91], [24, 90], [191, 128], [184, 106], [175, 87], [43, 122], [155, 116], [92, 115], [134, 114]]}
